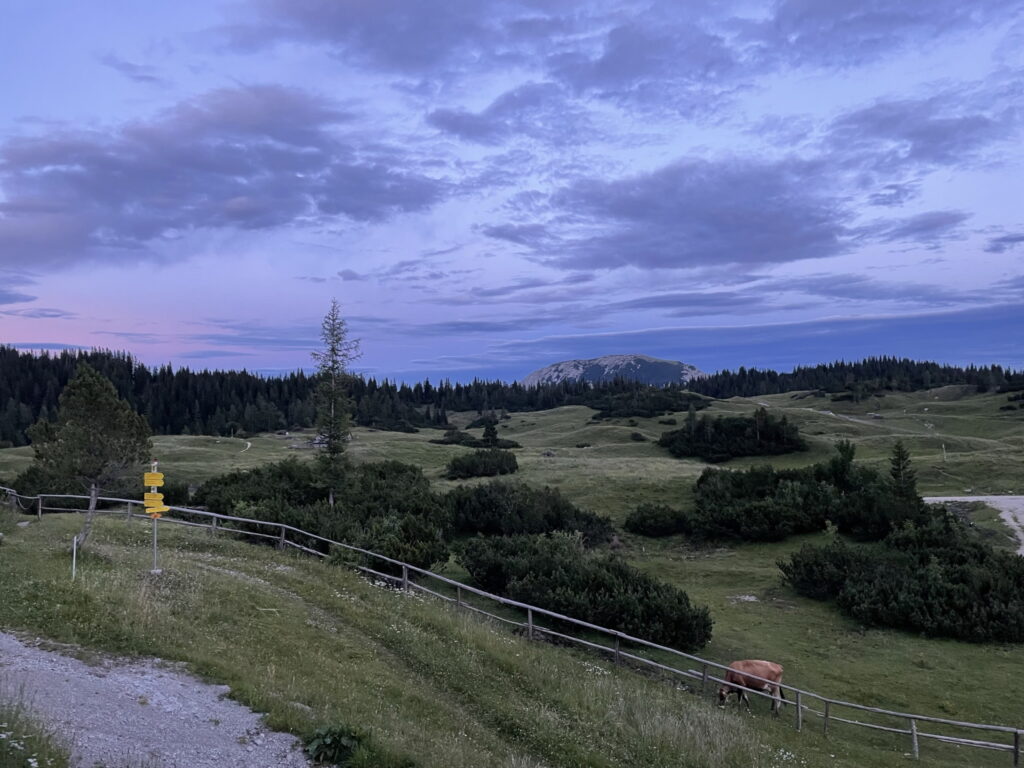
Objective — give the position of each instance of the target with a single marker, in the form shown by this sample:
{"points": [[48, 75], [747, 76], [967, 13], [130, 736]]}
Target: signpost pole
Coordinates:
{"points": [[155, 506], [155, 568]]}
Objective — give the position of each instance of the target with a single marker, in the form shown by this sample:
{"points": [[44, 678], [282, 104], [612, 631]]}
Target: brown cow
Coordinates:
{"points": [[743, 676]]}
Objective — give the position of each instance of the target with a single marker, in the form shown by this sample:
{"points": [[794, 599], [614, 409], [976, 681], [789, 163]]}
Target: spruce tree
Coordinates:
{"points": [[902, 475], [97, 438], [332, 402]]}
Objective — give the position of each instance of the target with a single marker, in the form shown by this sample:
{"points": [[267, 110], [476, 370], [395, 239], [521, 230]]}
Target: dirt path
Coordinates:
{"points": [[1011, 510], [141, 712]]}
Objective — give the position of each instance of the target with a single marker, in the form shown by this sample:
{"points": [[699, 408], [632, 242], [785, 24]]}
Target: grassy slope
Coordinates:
{"points": [[311, 644]]}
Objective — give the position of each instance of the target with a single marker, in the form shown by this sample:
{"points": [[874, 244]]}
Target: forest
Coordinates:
{"points": [[181, 401], [856, 380]]}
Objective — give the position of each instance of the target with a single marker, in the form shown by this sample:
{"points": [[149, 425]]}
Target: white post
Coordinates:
{"points": [[156, 570], [74, 555], [913, 739]]}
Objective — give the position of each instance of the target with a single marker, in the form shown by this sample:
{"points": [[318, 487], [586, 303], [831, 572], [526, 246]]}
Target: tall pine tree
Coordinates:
{"points": [[332, 403]]}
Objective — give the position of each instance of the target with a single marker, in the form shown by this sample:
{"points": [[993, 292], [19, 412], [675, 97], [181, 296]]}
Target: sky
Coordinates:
{"points": [[487, 187]]}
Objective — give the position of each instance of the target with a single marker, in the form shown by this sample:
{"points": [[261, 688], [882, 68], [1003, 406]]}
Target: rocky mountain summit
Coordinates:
{"points": [[649, 370]]}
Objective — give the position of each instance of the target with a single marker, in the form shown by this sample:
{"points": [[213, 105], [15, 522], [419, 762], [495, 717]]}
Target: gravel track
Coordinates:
{"points": [[141, 712], [1011, 509]]}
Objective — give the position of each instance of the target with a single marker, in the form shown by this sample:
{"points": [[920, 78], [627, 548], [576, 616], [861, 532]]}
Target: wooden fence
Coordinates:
{"points": [[623, 648]]}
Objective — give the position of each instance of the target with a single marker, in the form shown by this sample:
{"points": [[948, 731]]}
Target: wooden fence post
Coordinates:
{"points": [[618, 658], [914, 746], [1016, 749], [799, 713], [213, 528], [39, 508], [704, 678], [458, 597], [826, 717], [280, 541], [405, 578], [529, 623]]}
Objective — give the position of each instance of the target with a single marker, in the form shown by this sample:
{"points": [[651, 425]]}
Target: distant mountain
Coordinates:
{"points": [[649, 370]]}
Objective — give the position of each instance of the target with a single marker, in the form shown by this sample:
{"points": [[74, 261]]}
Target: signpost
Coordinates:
{"points": [[154, 503]]}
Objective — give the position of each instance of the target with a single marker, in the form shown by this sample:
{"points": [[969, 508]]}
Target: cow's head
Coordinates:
{"points": [[723, 695]]}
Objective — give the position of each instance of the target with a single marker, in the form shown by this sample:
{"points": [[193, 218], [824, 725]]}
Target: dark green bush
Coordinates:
{"points": [[639, 437], [349, 747], [290, 481], [766, 504], [456, 437], [931, 577], [555, 572], [482, 463], [657, 520], [760, 504], [726, 437], [503, 508], [386, 507]]}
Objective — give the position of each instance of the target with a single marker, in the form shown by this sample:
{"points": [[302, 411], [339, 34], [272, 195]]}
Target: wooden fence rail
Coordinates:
{"points": [[532, 629]]}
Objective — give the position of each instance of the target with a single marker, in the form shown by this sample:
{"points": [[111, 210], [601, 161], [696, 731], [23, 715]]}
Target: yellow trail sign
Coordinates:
{"points": [[157, 510], [156, 497]]}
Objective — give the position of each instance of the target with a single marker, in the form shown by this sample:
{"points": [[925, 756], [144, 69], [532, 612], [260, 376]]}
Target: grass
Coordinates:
{"points": [[25, 741], [313, 645], [821, 649]]}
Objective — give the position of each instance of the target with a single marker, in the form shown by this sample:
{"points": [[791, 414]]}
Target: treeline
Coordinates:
{"points": [[726, 437], [182, 401], [874, 374]]}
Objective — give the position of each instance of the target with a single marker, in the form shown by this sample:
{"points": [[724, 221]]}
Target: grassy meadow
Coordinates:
{"points": [[961, 443]]}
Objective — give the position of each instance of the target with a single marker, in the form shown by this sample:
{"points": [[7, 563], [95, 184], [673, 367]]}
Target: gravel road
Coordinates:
{"points": [[1011, 509], [146, 712]]}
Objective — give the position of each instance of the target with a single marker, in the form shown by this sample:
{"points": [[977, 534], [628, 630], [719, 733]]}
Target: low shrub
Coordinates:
{"points": [[766, 504], [555, 572], [334, 746], [349, 747], [504, 508], [290, 481], [638, 437], [657, 520], [933, 578], [482, 463], [457, 437], [387, 507]]}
